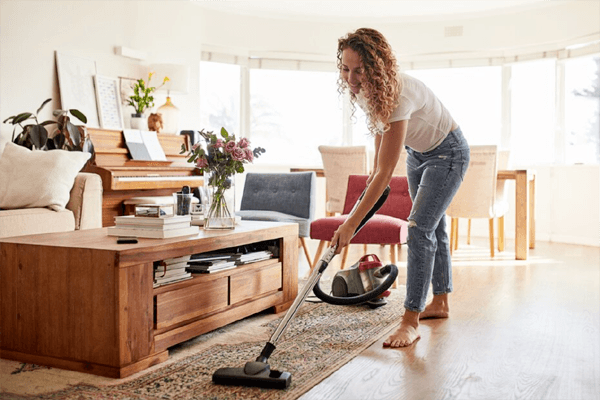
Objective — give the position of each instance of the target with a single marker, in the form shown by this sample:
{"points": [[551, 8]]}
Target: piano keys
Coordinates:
{"points": [[124, 178]]}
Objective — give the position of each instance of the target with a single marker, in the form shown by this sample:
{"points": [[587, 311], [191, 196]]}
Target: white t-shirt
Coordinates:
{"points": [[429, 122]]}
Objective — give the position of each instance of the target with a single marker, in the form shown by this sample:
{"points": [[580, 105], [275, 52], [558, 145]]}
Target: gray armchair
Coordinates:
{"points": [[282, 197]]}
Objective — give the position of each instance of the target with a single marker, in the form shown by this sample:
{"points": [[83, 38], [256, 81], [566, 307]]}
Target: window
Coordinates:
{"points": [[582, 110], [292, 113], [532, 112], [220, 97], [473, 96]]}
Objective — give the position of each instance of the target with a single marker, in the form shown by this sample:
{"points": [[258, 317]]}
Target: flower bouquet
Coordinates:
{"points": [[219, 159]]}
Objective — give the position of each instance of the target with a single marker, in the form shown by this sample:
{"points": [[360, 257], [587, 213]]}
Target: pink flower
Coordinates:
{"points": [[201, 162], [218, 144], [243, 143], [249, 155], [195, 146], [230, 146], [238, 154]]}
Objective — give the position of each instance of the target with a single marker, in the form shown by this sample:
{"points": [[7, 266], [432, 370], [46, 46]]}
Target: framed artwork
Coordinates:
{"points": [[126, 85], [109, 102], [76, 84]]}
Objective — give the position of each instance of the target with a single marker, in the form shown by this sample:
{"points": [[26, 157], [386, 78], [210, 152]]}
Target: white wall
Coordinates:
{"points": [[177, 31], [33, 30]]}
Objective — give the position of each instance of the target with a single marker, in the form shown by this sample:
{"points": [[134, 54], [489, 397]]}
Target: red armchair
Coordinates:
{"points": [[389, 226]]}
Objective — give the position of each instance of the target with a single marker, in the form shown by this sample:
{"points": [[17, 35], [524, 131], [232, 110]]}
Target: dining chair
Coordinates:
{"points": [[477, 195], [400, 169], [503, 156], [339, 162], [281, 197], [388, 226]]}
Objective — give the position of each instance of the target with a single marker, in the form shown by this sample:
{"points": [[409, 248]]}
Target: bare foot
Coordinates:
{"points": [[438, 308], [407, 333]]}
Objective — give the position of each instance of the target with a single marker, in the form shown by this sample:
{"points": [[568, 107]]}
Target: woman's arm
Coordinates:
{"points": [[375, 158], [386, 156]]}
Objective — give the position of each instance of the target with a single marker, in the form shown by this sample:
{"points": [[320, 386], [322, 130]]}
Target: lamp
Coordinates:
{"points": [[178, 83]]}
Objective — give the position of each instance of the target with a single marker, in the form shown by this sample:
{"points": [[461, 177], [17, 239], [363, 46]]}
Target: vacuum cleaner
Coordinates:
{"points": [[258, 373]]}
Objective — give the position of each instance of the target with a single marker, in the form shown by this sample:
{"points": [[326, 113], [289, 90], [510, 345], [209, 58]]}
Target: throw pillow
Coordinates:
{"points": [[38, 178]]}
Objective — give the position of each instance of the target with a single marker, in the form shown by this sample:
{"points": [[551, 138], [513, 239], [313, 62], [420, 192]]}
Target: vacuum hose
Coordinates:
{"points": [[392, 273]]}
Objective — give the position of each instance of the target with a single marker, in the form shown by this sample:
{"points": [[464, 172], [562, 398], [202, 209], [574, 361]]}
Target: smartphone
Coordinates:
{"points": [[126, 240]]}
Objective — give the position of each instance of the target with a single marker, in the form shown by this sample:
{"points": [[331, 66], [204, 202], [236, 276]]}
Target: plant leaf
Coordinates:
{"points": [[39, 136], [21, 117], [73, 133], [8, 119], [49, 122], [58, 140], [42, 106], [50, 144], [224, 133], [88, 146], [79, 115]]}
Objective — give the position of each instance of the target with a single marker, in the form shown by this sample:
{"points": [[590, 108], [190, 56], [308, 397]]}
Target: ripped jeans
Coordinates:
{"points": [[433, 179]]}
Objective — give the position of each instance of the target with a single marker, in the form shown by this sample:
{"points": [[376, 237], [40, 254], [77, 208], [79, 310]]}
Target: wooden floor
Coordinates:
{"points": [[517, 330]]}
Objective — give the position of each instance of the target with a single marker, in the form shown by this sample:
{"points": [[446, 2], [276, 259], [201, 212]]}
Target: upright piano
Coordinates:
{"points": [[124, 178]]}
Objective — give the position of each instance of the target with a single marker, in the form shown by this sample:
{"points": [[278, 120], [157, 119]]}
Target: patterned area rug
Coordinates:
{"points": [[318, 341]]}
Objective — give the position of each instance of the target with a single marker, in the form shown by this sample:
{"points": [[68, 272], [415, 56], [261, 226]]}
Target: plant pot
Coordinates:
{"points": [[220, 213], [139, 121]]}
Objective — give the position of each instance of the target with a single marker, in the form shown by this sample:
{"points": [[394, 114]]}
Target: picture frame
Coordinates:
{"points": [[108, 98], [126, 85], [76, 85]]}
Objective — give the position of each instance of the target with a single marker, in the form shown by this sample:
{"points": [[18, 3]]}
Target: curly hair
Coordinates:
{"points": [[381, 76]]}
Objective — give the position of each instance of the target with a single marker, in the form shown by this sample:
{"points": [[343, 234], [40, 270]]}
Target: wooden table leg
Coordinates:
{"points": [[522, 206]]}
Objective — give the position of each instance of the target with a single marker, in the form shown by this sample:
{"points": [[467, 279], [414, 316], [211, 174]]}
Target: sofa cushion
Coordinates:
{"points": [[29, 221], [38, 178]]}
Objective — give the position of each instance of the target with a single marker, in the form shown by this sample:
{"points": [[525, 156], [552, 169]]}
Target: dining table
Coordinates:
{"points": [[524, 205]]}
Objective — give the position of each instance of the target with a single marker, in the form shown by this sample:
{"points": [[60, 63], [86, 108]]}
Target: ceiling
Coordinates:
{"points": [[370, 10]]}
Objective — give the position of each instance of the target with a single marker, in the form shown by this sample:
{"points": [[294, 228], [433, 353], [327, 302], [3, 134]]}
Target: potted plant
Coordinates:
{"points": [[142, 99], [66, 136]]}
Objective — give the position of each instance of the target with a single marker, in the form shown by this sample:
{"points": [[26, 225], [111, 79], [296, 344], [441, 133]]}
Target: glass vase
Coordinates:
{"points": [[220, 213]]}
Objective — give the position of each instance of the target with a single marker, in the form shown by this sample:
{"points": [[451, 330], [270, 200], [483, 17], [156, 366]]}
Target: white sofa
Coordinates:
{"points": [[83, 211]]}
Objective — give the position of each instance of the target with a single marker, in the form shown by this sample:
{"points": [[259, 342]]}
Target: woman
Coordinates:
{"points": [[403, 112]]}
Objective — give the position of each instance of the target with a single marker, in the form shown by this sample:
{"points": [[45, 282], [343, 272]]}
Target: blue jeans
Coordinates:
{"points": [[433, 179]]}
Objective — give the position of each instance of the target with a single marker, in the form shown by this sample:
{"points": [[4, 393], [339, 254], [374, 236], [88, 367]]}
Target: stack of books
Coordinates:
{"points": [[153, 227], [171, 270], [210, 262]]}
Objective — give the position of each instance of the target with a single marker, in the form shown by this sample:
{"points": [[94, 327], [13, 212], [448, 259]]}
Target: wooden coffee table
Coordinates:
{"points": [[80, 301]]}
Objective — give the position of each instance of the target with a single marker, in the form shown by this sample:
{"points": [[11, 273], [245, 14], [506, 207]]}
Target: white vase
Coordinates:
{"points": [[220, 213], [139, 121]]}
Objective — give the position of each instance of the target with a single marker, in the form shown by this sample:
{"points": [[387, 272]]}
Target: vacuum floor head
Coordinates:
{"points": [[254, 373]]}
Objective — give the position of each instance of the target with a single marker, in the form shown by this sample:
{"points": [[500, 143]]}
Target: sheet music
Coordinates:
{"points": [[135, 144], [153, 145], [144, 145]]}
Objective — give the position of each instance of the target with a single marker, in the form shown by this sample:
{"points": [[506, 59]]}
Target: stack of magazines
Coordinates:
{"points": [[206, 263], [171, 270], [153, 227], [252, 257]]}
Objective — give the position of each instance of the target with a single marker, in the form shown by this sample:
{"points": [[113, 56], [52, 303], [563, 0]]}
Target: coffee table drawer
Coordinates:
{"points": [[190, 302], [254, 283]]}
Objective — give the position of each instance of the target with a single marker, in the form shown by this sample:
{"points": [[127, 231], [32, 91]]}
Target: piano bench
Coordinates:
{"points": [[129, 204]]}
